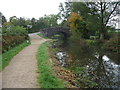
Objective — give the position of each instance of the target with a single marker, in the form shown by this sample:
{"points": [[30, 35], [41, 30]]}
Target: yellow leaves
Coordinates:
{"points": [[73, 20], [72, 25], [74, 16], [77, 25]]}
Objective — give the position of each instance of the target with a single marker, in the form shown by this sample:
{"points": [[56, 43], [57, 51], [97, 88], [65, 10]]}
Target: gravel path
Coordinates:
{"points": [[21, 72]]}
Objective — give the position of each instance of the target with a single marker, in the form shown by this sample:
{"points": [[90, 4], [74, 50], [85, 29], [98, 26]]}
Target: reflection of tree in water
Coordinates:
{"points": [[114, 57], [106, 73], [101, 69], [101, 73], [81, 56]]}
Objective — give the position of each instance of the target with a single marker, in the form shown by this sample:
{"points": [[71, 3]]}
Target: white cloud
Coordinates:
{"points": [[29, 8]]}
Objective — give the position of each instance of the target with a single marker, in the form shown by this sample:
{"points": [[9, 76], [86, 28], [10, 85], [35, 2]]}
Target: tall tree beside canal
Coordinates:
{"points": [[98, 15], [65, 11], [91, 19], [106, 12]]}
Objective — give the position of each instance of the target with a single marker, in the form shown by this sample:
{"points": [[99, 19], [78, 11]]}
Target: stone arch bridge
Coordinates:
{"points": [[49, 32]]}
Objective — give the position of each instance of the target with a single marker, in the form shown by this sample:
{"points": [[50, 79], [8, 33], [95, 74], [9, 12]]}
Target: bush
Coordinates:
{"points": [[9, 42], [78, 26], [12, 36], [9, 29]]}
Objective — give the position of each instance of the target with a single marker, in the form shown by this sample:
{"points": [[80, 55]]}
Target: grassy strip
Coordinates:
{"points": [[6, 57], [41, 35], [46, 78], [92, 42]]}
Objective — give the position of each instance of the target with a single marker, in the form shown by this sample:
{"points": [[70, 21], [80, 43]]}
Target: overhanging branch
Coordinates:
{"points": [[111, 13]]}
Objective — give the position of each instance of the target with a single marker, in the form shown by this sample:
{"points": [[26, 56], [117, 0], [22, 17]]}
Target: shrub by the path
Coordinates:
{"points": [[12, 36]]}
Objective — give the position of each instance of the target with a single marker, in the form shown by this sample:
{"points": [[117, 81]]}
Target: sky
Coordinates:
{"points": [[29, 8]]}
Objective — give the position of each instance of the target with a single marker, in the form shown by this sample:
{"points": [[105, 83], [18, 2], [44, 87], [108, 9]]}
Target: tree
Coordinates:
{"points": [[44, 22], [97, 15], [11, 19], [52, 20], [2, 18], [65, 11], [91, 19], [106, 12], [83, 10], [19, 21], [33, 23], [78, 26]]}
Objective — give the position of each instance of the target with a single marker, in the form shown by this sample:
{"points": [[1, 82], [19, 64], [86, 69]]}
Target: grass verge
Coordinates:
{"points": [[46, 78], [6, 57]]}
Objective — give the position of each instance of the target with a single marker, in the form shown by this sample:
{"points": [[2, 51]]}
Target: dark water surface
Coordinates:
{"points": [[102, 66]]}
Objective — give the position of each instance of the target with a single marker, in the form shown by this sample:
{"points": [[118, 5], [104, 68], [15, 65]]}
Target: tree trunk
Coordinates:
{"points": [[101, 36], [102, 22]]}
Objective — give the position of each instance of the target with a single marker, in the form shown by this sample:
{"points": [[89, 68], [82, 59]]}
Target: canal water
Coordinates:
{"points": [[104, 70], [102, 66]]}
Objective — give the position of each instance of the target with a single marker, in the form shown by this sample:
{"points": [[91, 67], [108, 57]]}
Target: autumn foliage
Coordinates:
{"points": [[74, 19], [78, 26]]}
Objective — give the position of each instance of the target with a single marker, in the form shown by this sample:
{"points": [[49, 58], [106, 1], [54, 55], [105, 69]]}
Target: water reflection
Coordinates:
{"points": [[101, 68], [104, 71]]}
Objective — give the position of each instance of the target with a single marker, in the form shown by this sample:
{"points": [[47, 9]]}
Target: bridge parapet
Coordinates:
{"points": [[49, 32]]}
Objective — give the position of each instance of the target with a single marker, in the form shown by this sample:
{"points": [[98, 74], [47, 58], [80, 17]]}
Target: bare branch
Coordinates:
{"points": [[111, 13]]}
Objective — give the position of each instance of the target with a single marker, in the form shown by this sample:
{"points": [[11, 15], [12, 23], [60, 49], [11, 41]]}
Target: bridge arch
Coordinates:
{"points": [[49, 32], [62, 34]]}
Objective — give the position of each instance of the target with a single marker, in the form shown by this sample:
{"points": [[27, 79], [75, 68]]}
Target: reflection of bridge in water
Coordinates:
{"points": [[49, 32]]}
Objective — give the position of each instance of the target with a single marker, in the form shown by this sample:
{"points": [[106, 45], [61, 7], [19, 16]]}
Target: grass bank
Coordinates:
{"points": [[6, 57], [46, 77]]}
